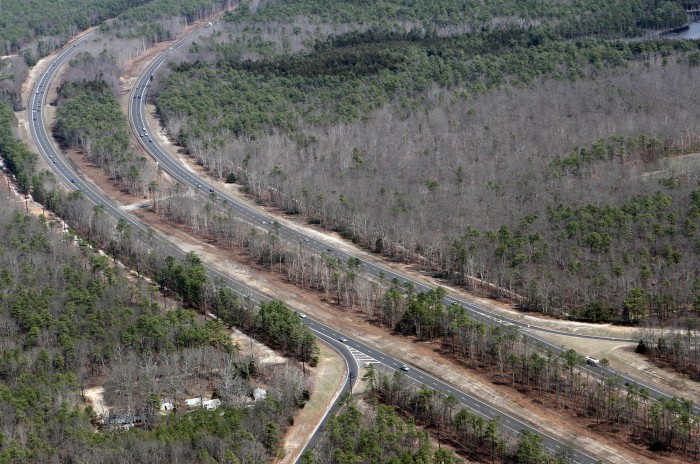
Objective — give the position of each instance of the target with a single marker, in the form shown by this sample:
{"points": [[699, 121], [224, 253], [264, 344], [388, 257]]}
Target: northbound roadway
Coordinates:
{"points": [[327, 334], [146, 136]]}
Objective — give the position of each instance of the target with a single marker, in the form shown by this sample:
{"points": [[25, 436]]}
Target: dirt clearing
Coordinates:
{"points": [[327, 380]]}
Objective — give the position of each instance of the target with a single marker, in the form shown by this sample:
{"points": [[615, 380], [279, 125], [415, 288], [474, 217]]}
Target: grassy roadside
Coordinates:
{"points": [[327, 379]]}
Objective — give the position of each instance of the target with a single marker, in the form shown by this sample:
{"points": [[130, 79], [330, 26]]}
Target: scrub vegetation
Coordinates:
{"points": [[526, 150]]}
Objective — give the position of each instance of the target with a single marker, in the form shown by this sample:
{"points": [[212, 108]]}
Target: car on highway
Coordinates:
{"points": [[343, 339], [352, 375], [303, 316], [72, 181], [405, 368]]}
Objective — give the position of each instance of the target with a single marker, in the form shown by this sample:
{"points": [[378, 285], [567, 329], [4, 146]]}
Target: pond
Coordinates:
{"points": [[693, 32]]}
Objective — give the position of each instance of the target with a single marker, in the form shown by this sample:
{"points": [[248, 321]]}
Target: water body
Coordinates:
{"points": [[693, 32]]}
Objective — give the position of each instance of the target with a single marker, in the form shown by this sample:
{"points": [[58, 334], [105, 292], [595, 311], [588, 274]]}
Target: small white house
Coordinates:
{"points": [[211, 404], [259, 394], [193, 402], [167, 406]]}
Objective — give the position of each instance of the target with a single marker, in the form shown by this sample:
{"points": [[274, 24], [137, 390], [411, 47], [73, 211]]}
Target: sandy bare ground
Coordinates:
{"points": [[424, 356], [327, 381], [95, 397], [620, 355], [263, 354]]}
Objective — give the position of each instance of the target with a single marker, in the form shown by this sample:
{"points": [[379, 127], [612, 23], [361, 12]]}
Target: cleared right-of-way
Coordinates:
{"points": [[345, 345], [146, 136]]}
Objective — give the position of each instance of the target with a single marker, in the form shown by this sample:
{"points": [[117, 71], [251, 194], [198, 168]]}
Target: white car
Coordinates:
{"points": [[405, 368], [303, 316]]}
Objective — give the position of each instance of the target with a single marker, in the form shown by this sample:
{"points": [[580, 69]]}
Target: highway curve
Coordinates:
{"points": [[348, 347], [145, 134]]}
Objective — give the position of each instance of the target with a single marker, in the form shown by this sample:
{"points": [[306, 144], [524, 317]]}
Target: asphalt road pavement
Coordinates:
{"points": [[145, 134]]}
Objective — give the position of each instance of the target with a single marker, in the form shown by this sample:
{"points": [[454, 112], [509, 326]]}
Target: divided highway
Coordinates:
{"points": [[342, 344], [147, 139]]}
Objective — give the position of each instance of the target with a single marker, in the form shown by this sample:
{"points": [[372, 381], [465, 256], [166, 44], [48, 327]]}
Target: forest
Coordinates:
{"points": [[51, 22], [32, 30], [376, 434], [405, 140], [584, 17], [498, 352], [71, 318], [611, 238], [22, 22], [90, 119]]}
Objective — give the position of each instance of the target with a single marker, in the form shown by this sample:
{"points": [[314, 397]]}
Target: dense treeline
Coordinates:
{"points": [[70, 318], [356, 434], [51, 23], [435, 178], [281, 327], [349, 76], [19, 160], [499, 352], [90, 119], [619, 17]]}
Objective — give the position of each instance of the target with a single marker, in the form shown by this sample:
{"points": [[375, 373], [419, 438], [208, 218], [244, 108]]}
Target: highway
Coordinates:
{"points": [[145, 134], [350, 349]]}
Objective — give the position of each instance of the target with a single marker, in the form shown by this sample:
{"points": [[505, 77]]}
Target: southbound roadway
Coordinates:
{"points": [[341, 343], [146, 136]]}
